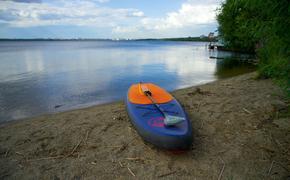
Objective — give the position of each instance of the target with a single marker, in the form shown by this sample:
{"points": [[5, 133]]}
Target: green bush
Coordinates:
{"points": [[260, 26]]}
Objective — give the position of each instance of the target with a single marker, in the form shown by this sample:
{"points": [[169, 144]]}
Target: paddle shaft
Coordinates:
{"points": [[146, 91], [168, 119]]}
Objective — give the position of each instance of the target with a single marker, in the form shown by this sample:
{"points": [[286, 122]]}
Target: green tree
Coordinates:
{"points": [[261, 26]]}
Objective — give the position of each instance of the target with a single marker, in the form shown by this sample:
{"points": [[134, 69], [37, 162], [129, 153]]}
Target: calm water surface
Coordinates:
{"points": [[38, 77]]}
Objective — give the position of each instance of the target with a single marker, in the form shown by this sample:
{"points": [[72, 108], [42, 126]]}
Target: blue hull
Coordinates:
{"points": [[148, 121]]}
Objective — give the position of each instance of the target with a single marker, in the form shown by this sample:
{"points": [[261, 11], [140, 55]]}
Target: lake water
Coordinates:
{"points": [[38, 77]]}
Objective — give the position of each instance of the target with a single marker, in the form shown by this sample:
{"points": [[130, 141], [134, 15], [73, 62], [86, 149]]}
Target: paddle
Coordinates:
{"points": [[169, 120]]}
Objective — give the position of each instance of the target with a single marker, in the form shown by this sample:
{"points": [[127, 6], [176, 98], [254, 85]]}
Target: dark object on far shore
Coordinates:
{"points": [[215, 57], [58, 106], [211, 46]]}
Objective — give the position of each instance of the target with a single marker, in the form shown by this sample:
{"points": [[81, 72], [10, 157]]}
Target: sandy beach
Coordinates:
{"points": [[240, 131]]}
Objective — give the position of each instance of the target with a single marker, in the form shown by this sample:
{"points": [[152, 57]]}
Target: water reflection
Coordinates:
{"points": [[41, 77], [233, 66]]}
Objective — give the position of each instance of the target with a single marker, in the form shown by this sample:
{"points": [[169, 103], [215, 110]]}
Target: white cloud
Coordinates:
{"points": [[102, 1], [79, 13], [120, 22], [125, 29], [138, 14], [190, 15]]}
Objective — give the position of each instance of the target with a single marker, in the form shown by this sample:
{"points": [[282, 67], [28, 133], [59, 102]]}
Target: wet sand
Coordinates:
{"points": [[239, 126]]}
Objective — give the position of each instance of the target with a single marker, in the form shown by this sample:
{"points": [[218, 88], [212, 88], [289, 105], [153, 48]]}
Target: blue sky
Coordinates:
{"points": [[106, 18]]}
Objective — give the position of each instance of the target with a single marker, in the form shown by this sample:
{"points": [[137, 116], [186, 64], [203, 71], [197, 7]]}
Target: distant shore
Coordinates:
{"points": [[195, 39], [239, 131]]}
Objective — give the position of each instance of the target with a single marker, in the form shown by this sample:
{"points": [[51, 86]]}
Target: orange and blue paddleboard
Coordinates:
{"points": [[158, 117]]}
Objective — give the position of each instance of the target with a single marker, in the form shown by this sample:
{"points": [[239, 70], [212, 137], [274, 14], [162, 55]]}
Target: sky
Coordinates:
{"points": [[111, 19]]}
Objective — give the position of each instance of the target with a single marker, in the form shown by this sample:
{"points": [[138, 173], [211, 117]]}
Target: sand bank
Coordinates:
{"points": [[239, 133]]}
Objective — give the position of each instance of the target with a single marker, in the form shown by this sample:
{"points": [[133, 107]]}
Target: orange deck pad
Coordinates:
{"points": [[136, 95]]}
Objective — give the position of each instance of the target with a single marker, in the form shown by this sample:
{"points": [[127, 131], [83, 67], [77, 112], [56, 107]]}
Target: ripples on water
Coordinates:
{"points": [[39, 77]]}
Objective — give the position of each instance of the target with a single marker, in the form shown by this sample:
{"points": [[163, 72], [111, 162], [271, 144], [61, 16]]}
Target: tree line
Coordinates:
{"points": [[263, 27]]}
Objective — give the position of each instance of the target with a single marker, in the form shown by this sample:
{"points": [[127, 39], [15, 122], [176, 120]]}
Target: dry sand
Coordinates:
{"points": [[239, 133]]}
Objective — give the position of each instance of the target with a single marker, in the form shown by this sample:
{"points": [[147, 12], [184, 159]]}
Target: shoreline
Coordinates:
{"points": [[81, 107], [237, 126], [4, 123]]}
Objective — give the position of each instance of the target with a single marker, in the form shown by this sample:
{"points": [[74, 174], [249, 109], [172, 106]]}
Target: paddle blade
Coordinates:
{"points": [[173, 120]]}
